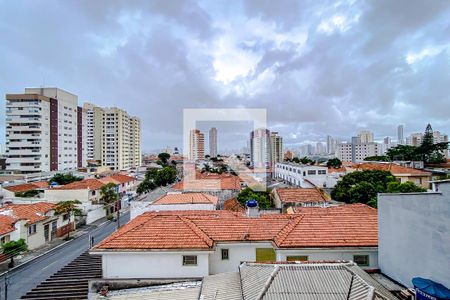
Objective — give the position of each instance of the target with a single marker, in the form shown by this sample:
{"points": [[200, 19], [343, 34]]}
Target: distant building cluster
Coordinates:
{"points": [[46, 131]]}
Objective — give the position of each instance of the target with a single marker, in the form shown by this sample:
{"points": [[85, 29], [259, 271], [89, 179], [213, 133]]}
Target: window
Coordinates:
{"points": [[225, 253], [65, 217], [189, 260], [361, 260], [297, 258], [5, 239], [32, 229], [321, 172], [265, 255], [311, 172]]}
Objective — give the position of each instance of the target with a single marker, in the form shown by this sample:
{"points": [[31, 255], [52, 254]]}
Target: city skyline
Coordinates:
{"points": [[285, 57]]}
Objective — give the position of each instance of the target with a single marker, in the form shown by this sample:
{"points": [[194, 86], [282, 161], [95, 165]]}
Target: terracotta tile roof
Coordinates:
{"points": [[188, 198], [85, 184], [300, 195], [344, 226], [233, 205], [27, 186], [21, 187], [117, 179], [391, 167], [32, 213], [6, 224], [210, 181], [337, 226], [41, 184]]}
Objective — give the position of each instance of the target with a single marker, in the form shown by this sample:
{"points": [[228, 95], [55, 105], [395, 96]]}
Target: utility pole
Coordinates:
{"points": [[6, 286], [118, 213]]}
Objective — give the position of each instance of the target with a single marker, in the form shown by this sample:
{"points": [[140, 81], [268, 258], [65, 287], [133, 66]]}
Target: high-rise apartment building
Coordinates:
{"points": [[113, 137], [196, 145], [400, 136], [357, 151], [44, 131], [276, 143], [260, 148], [365, 136], [213, 142], [331, 145]]}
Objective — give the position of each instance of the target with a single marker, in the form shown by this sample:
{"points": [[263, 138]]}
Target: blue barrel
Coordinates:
{"points": [[251, 203], [427, 289]]}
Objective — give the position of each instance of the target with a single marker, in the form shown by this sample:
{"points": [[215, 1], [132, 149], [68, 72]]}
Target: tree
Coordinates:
{"points": [[377, 158], [69, 207], [145, 186], [108, 195], [263, 198], [164, 158], [406, 187], [364, 186], [64, 178], [27, 194], [334, 163], [13, 248], [403, 152], [428, 151], [165, 176], [306, 160]]}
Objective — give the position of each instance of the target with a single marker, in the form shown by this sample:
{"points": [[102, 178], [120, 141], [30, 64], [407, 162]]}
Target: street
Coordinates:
{"points": [[23, 279]]}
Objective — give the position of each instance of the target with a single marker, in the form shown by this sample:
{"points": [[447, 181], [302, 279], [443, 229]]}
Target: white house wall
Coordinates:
{"points": [[237, 252], [153, 265], [332, 254], [64, 195]]}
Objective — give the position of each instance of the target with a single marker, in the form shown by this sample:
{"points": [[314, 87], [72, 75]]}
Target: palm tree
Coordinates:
{"points": [[68, 207]]}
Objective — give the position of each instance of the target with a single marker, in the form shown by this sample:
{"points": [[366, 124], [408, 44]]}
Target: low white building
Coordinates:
{"points": [[305, 176], [180, 244], [176, 201], [35, 223], [414, 235]]}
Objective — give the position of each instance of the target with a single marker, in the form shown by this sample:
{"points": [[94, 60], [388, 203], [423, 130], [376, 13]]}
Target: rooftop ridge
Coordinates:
{"points": [[284, 232], [197, 230], [126, 230]]}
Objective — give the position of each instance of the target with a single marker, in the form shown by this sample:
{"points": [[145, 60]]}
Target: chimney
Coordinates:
{"points": [[252, 208]]}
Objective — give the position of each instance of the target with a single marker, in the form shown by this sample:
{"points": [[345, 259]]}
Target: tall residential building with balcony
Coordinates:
{"points": [[113, 137], [400, 136], [213, 142], [357, 151], [260, 148], [196, 145], [44, 131], [276, 143]]}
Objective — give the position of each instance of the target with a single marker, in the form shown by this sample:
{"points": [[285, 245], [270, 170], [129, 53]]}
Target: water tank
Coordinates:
{"points": [[251, 203], [427, 289]]}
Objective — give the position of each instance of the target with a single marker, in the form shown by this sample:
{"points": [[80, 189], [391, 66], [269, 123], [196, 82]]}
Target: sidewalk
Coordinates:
{"points": [[32, 254]]}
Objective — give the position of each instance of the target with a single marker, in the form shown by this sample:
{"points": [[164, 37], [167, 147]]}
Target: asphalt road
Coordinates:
{"points": [[23, 279]]}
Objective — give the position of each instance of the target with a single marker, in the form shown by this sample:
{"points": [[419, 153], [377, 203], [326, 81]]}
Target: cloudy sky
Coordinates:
{"points": [[318, 67]]}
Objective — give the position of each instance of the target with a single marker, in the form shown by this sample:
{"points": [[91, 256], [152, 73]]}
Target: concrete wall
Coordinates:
{"points": [[94, 213], [414, 235], [332, 254], [237, 253], [153, 265], [63, 195]]}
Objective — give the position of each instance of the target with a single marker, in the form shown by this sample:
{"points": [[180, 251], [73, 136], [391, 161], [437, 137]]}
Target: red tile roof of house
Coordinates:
{"points": [[188, 198], [117, 179], [233, 205], [32, 213], [21, 187], [85, 184], [345, 226], [391, 167], [209, 181], [300, 195], [24, 187]]}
